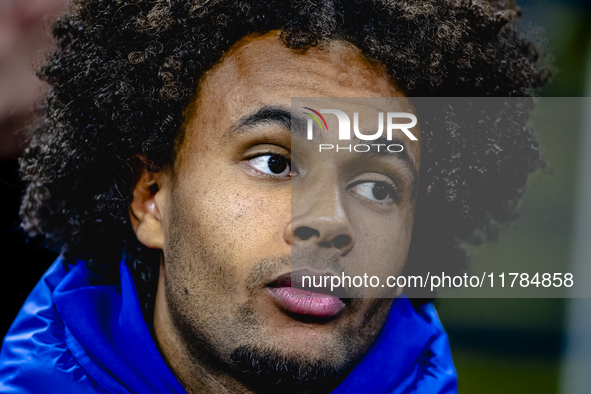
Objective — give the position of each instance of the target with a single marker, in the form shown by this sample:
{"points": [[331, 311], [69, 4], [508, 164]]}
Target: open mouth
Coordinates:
{"points": [[314, 301]]}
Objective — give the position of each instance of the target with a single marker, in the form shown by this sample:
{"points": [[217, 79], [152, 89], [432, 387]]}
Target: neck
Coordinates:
{"points": [[195, 375]]}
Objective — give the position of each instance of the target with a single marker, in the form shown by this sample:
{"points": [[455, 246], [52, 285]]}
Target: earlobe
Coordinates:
{"points": [[145, 214]]}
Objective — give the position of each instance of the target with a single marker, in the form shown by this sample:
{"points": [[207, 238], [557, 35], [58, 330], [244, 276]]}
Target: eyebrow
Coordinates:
{"points": [[402, 155], [268, 116]]}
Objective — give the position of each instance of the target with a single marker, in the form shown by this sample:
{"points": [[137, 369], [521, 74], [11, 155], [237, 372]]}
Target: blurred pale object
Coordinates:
{"points": [[25, 39]]}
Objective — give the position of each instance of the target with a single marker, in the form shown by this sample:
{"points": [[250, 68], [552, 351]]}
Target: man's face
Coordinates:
{"points": [[231, 227]]}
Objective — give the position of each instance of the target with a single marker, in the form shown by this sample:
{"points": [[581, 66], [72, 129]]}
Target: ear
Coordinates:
{"points": [[146, 207]]}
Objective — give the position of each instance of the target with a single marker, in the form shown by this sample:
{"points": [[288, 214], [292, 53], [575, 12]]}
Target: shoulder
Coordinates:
{"points": [[35, 357]]}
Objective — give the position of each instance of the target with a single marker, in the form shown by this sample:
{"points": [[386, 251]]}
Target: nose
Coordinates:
{"points": [[323, 223]]}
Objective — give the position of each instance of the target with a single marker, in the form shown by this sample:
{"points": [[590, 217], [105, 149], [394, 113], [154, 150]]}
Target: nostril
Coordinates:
{"points": [[340, 241], [305, 233]]}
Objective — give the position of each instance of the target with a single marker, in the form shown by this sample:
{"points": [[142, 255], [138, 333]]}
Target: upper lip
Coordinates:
{"points": [[294, 279]]}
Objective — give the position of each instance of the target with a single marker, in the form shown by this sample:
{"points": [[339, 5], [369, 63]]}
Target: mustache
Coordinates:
{"points": [[312, 281], [270, 267], [273, 270]]}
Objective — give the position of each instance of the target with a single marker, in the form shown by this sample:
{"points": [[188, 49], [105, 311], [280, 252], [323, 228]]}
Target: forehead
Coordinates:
{"points": [[262, 67]]}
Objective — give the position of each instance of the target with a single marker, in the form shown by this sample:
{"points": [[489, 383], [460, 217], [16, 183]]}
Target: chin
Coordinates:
{"points": [[268, 370]]}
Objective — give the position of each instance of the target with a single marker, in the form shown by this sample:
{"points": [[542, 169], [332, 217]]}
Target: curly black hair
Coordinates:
{"points": [[124, 71]]}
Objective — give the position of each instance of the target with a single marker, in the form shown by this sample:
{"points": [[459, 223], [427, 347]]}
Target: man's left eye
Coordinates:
{"points": [[375, 191], [274, 165]]}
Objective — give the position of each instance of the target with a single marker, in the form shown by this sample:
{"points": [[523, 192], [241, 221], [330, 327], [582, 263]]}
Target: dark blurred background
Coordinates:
{"points": [[499, 345], [525, 345]]}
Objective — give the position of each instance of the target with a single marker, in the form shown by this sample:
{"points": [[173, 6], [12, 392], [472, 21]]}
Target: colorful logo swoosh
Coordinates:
{"points": [[316, 117]]}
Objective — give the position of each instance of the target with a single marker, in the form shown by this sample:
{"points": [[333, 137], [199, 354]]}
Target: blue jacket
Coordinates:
{"points": [[76, 334]]}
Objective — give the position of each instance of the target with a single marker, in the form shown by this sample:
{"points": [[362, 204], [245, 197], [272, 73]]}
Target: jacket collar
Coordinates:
{"points": [[106, 332]]}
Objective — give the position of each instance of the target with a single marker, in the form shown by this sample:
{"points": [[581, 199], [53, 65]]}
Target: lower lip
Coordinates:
{"points": [[307, 303]]}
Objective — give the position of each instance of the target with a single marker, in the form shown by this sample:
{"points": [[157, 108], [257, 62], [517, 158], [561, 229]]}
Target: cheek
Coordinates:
{"points": [[382, 243], [228, 225], [249, 221]]}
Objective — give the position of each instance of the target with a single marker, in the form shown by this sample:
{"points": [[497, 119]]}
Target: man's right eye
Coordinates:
{"points": [[271, 164]]}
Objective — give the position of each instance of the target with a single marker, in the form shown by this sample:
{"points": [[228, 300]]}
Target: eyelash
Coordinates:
{"points": [[393, 186], [395, 195], [273, 153]]}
